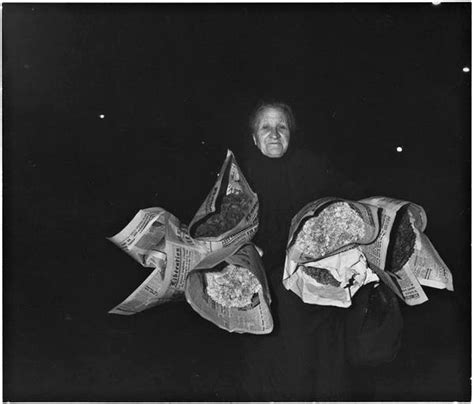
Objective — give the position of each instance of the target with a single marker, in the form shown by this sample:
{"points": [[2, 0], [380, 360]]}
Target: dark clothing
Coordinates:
{"points": [[284, 185], [303, 358]]}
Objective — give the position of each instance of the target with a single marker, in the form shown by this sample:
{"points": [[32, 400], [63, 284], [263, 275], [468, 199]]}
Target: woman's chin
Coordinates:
{"points": [[274, 151], [274, 156]]}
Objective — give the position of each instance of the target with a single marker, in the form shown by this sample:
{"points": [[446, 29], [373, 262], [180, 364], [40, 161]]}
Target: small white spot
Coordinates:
{"points": [[101, 116], [202, 142], [466, 69], [32, 9], [436, 2], [399, 149]]}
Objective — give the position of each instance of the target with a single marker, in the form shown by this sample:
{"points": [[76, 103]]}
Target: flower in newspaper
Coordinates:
{"points": [[335, 226], [234, 286], [402, 241], [231, 211], [321, 275]]}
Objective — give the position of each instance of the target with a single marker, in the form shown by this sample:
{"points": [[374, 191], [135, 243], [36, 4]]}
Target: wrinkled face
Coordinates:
{"points": [[272, 134]]}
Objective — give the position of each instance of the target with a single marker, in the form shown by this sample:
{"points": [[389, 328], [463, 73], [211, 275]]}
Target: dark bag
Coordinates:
{"points": [[374, 325]]}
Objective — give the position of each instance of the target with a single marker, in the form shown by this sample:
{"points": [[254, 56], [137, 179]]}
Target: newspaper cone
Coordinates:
{"points": [[231, 183], [338, 262], [424, 266], [256, 318]]}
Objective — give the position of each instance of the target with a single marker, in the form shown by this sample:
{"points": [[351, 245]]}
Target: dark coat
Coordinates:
{"points": [[303, 358]]}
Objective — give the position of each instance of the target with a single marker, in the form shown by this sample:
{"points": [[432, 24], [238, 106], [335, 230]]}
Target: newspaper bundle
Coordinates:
{"points": [[424, 267], [157, 239], [344, 259], [255, 318]]}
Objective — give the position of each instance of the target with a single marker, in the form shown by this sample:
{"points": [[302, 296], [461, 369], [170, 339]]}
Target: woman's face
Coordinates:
{"points": [[272, 135]]}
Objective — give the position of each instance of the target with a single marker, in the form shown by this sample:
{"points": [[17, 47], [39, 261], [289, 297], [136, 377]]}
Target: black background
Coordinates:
{"points": [[176, 84]]}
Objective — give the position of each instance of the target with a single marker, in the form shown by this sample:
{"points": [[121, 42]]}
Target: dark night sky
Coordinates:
{"points": [[176, 84]]}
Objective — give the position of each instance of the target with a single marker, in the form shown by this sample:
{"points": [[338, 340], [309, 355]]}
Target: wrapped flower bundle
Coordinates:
{"points": [[380, 238], [232, 293], [324, 264], [226, 220]]}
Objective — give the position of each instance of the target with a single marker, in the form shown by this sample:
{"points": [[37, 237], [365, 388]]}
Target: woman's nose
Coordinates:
{"points": [[274, 134]]}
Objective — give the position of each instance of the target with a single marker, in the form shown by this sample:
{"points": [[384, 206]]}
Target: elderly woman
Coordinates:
{"points": [[303, 359], [285, 178]]}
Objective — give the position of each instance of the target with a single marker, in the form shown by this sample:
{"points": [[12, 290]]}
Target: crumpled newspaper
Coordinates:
{"points": [[348, 268]]}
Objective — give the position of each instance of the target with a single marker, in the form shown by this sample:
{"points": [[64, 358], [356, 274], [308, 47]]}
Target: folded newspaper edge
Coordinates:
{"points": [[166, 282]]}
